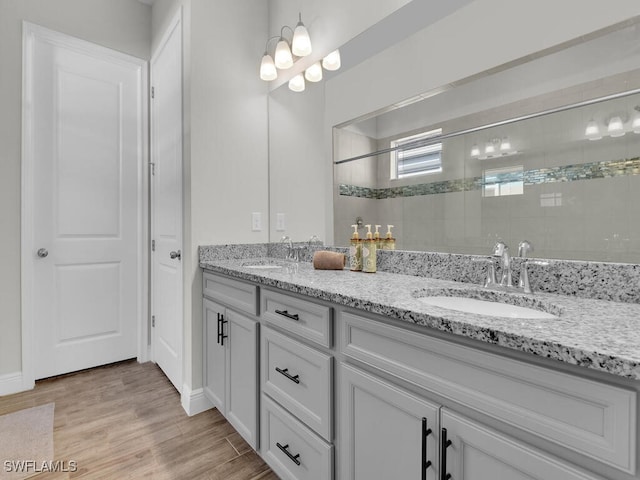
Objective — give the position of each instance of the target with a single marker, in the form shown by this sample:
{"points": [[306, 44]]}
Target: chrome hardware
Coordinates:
{"points": [[43, 252], [524, 274], [524, 248], [177, 255], [502, 250]]}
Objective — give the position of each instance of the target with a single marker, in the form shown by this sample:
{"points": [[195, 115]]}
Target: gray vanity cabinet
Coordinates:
{"points": [[387, 432], [231, 354]]}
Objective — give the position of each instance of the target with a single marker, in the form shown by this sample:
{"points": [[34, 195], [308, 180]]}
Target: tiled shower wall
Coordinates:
{"points": [[581, 198]]}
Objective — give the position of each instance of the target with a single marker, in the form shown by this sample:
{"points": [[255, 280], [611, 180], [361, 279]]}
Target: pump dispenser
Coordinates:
{"points": [[369, 253], [389, 243], [355, 251], [376, 237]]}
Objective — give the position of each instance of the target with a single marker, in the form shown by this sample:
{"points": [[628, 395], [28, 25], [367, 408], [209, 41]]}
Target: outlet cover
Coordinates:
{"points": [[256, 221], [280, 225]]}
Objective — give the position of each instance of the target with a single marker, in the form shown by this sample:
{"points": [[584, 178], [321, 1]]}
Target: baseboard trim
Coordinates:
{"points": [[194, 401], [13, 383]]}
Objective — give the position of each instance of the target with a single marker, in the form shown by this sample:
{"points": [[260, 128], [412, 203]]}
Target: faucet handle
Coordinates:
{"points": [[523, 282], [490, 278], [499, 248]]}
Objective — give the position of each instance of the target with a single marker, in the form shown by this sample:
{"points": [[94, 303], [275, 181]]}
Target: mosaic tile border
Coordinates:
{"points": [[566, 173]]}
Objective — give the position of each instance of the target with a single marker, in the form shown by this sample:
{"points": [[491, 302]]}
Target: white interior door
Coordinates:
{"points": [[84, 122], [166, 203]]}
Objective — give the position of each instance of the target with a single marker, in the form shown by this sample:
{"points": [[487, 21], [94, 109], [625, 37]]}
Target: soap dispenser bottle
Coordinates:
{"points": [[355, 251], [369, 253], [389, 241], [376, 237]]}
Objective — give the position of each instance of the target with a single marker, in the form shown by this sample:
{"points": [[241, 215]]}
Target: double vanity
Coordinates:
{"points": [[344, 375]]}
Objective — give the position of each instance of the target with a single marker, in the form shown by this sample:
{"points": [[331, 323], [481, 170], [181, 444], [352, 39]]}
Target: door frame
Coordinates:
{"points": [[174, 23], [30, 33]]}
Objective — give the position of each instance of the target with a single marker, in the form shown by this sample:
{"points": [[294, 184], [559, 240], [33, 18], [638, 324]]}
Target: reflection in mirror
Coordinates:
{"points": [[568, 180]]}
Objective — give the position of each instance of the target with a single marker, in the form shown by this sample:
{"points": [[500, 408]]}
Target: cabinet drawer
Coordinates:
{"points": [[233, 293], [586, 416], [299, 378], [304, 318], [292, 450]]}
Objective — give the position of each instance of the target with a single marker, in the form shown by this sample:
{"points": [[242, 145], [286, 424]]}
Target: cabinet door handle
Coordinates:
{"points": [[443, 454], [425, 463], [218, 337], [285, 449], [221, 335], [292, 316], [285, 372]]}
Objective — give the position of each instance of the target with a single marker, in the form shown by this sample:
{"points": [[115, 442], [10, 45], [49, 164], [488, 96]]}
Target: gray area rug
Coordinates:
{"points": [[26, 442]]}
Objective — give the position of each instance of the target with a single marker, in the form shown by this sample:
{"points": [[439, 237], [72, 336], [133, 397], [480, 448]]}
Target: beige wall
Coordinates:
{"points": [[123, 25]]}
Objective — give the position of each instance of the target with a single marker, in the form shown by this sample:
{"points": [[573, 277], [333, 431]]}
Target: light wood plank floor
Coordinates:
{"points": [[125, 421]]}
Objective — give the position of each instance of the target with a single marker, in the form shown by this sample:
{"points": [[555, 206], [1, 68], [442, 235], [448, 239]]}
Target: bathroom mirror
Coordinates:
{"points": [[546, 150]]}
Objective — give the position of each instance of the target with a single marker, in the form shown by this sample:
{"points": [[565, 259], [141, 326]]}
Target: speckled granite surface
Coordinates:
{"points": [[596, 334]]}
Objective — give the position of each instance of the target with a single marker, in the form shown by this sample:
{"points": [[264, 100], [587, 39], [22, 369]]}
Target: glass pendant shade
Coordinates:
{"points": [[636, 124], [505, 146], [592, 132], [332, 61], [283, 58], [616, 127], [314, 72], [268, 70], [301, 43], [296, 84], [475, 151], [489, 148]]}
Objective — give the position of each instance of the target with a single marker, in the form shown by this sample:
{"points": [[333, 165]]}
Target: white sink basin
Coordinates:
{"points": [[484, 307]]}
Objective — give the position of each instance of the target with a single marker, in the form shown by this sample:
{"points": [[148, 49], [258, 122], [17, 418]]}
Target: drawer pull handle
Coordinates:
{"points": [[285, 372], [443, 455], [284, 313], [425, 463], [285, 449], [221, 335]]}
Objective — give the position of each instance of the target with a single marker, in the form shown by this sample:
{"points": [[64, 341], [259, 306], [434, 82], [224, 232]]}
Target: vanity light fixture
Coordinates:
{"points": [[592, 132], [635, 125], [505, 145], [301, 43], [288, 52], [332, 61], [314, 72], [616, 127], [283, 57], [296, 83], [489, 149]]}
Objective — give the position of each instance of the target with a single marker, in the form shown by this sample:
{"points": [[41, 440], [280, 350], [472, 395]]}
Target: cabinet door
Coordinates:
{"points": [[382, 430], [242, 375], [214, 354], [477, 452]]}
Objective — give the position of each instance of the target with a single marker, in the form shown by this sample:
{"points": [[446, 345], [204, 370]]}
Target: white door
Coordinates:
{"points": [[166, 204], [84, 143]]}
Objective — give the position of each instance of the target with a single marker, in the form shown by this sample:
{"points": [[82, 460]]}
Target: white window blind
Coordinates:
{"points": [[411, 158]]}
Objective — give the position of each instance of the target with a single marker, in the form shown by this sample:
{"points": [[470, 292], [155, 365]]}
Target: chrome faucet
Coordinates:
{"points": [[287, 239], [501, 250]]}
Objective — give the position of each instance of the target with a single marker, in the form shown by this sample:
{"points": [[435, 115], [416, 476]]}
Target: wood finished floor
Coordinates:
{"points": [[125, 421]]}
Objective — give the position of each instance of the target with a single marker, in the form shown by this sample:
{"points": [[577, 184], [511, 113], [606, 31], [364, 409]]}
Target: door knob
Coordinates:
{"points": [[177, 255], [42, 252]]}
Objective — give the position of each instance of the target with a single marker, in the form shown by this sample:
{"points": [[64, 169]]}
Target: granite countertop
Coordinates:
{"points": [[597, 334]]}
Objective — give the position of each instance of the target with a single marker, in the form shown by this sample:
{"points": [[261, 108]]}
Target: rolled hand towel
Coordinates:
{"points": [[324, 260]]}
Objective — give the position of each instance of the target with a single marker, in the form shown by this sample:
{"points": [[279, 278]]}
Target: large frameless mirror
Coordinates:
{"points": [[506, 156]]}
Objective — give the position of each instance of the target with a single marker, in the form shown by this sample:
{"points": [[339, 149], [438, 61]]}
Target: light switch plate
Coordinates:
{"points": [[280, 225], [256, 221]]}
